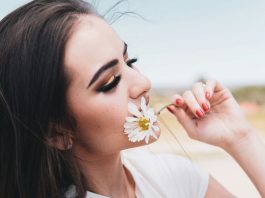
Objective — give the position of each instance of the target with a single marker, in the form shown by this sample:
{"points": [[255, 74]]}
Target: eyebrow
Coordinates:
{"points": [[107, 66]]}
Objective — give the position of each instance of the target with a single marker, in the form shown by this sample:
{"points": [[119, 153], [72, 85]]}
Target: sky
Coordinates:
{"points": [[178, 42]]}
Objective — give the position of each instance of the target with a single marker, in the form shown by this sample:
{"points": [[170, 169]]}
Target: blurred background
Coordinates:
{"points": [[180, 42]]}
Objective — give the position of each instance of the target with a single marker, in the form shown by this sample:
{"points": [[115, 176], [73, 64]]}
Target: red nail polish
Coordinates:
{"points": [[170, 110], [207, 95], [178, 101], [199, 113], [205, 107]]}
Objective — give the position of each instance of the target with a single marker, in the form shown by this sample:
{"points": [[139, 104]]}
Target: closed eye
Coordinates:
{"points": [[114, 81]]}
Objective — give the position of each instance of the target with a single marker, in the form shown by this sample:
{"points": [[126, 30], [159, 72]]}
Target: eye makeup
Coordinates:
{"points": [[113, 82], [115, 79]]}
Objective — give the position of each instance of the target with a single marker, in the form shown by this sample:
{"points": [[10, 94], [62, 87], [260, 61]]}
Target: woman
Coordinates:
{"points": [[66, 80]]}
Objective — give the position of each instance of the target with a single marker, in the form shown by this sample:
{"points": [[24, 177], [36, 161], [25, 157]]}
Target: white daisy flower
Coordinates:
{"points": [[141, 125]]}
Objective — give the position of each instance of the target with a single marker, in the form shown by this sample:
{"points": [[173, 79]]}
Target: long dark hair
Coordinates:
{"points": [[33, 85]]}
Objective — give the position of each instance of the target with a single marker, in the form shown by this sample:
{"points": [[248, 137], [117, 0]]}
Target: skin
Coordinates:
{"points": [[224, 125], [100, 116], [99, 137]]}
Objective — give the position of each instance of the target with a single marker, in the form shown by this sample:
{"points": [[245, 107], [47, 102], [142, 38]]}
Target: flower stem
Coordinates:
{"points": [[162, 108]]}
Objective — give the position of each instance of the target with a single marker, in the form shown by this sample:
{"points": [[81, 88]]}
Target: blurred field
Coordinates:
{"points": [[211, 158]]}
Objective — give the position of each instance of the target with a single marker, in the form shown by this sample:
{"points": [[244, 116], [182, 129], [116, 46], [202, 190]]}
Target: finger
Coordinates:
{"points": [[185, 108], [177, 100], [209, 88], [193, 104], [198, 91], [212, 86]]}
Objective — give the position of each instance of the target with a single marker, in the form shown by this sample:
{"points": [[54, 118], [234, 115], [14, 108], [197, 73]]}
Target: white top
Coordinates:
{"points": [[161, 176]]}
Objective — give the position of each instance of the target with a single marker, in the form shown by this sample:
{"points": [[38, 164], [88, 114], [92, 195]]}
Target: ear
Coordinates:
{"points": [[60, 138], [61, 141]]}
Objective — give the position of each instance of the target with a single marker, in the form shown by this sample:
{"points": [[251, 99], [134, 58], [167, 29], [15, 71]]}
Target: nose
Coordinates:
{"points": [[139, 85]]}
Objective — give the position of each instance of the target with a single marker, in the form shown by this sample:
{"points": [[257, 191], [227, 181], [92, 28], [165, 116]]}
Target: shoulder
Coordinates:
{"points": [[144, 159], [176, 173]]}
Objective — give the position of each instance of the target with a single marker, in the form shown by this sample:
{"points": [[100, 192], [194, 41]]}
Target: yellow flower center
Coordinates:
{"points": [[143, 123]]}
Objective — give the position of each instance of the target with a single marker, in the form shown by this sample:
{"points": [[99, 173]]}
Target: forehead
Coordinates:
{"points": [[92, 44]]}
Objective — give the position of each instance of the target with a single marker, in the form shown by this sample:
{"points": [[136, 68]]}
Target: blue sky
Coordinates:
{"points": [[184, 40]]}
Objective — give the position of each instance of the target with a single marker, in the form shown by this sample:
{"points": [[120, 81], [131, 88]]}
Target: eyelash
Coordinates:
{"points": [[111, 85], [117, 79], [131, 61]]}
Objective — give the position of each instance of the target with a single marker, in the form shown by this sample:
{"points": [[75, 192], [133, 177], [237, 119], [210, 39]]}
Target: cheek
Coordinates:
{"points": [[101, 117], [101, 129], [112, 117]]}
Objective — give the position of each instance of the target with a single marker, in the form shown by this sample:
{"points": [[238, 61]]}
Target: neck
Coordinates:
{"points": [[107, 176]]}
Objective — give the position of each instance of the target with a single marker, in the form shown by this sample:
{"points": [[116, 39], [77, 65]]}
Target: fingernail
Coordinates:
{"points": [[178, 101], [205, 107], [207, 95], [199, 113], [170, 110]]}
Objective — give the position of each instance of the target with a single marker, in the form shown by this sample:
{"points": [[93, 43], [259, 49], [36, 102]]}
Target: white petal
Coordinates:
{"points": [[128, 131], [150, 115], [156, 128], [147, 139], [145, 113], [131, 119], [143, 105], [136, 130], [153, 119], [142, 136], [134, 138], [134, 110], [154, 135], [151, 111], [128, 125], [132, 130], [133, 133]]}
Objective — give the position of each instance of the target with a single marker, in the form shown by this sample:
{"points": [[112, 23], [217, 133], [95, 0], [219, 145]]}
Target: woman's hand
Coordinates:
{"points": [[209, 113]]}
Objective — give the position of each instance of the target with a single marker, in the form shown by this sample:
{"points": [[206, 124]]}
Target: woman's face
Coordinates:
{"points": [[100, 112]]}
